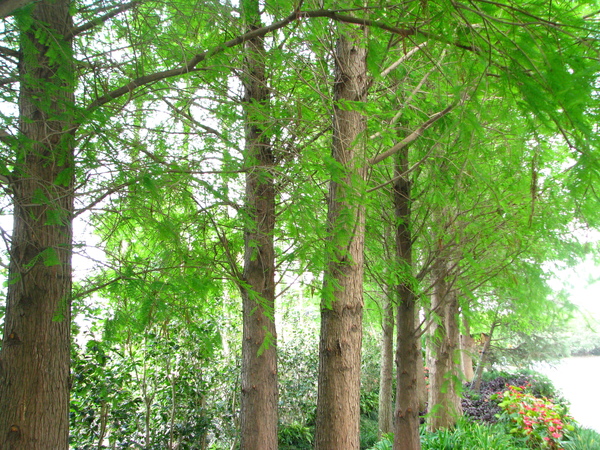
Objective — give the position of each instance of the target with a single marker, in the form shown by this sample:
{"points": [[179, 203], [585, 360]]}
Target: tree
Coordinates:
{"points": [[338, 403], [259, 356], [35, 355]]}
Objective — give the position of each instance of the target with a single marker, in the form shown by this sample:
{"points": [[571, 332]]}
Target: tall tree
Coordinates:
{"points": [[407, 397], [338, 404], [35, 355], [386, 372], [259, 357]]}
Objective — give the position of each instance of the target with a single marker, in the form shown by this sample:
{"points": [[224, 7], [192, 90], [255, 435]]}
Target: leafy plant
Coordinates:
{"points": [[295, 436], [538, 421], [369, 432], [466, 435], [386, 442], [469, 435], [583, 439]]}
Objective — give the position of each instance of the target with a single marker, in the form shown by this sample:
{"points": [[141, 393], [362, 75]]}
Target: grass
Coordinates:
{"points": [[475, 436]]}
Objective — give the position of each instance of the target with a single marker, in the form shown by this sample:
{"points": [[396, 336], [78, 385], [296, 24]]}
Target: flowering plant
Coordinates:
{"points": [[539, 421]]}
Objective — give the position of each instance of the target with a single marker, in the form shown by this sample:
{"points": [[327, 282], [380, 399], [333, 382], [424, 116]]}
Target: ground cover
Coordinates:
{"points": [[510, 412]]}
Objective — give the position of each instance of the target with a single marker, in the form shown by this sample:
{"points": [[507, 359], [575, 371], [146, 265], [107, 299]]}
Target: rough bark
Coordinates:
{"points": [[444, 377], [406, 435], [338, 403], [34, 360], [259, 358], [386, 371]]}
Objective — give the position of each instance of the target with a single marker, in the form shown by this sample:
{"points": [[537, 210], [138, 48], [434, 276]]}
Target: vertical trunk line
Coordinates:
{"points": [[35, 355], [406, 435], [338, 402], [444, 398], [386, 372], [259, 391]]}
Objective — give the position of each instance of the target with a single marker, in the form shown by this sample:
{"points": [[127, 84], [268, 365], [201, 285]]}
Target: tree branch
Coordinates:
{"points": [[8, 7], [100, 20], [9, 52], [412, 136], [191, 64]]}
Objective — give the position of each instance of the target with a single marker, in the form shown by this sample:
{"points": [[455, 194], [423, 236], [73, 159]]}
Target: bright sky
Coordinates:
{"points": [[583, 284]]}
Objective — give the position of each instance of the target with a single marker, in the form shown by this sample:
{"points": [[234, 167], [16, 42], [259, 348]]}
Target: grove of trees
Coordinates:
{"points": [[218, 207]]}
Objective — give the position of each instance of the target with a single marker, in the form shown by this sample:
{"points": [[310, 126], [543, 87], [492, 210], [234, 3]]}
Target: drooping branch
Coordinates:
{"points": [[192, 63], [414, 135], [100, 20]]}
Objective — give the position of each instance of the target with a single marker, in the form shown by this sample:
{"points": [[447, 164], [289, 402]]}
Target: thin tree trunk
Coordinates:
{"points": [[467, 346], [444, 380], [259, 358], [338, 403], [386, 372], [35, 356], [406, 435], [421, 381], [483, 358]]}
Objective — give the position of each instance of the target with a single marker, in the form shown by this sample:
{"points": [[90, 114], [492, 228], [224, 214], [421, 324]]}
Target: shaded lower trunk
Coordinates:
{"points": [[421, 375], [258, 414], [35, 355], [407, 399], [467, 349], [483, 358], [444, 376], [386, 372], [338, 402]]}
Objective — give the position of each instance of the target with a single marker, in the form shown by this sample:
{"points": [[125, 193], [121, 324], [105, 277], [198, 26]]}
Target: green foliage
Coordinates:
{"points": [[536, 421], [465, 435], [386, 443], [295, 436], [298, 374], [469, 435], [149, 390], [369, 431], [582, 439]]}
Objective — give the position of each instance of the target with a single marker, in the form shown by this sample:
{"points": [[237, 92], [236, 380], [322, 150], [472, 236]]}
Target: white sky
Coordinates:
{"points": [[582, 282]]}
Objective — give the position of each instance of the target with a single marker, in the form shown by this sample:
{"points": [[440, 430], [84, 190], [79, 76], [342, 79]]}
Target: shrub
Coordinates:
{"points": [[538, 421], [466, 435], [369, 432], [295, 436]]}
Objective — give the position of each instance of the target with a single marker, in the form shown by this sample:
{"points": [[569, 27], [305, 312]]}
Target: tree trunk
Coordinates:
{"points": [[483, 357], [34, 360], [386, 373], [338, 403], [422, 393], [407, 352], [259, 358], [467, 347], [444, 380]]}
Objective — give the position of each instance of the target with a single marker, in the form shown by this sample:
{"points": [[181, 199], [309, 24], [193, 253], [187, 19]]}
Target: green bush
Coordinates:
{"points": [[466, 435], [469, 435], [295, 436], [537, 421], [369, 432]]}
